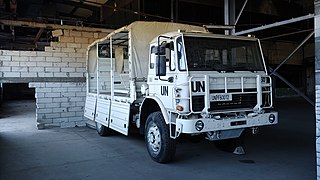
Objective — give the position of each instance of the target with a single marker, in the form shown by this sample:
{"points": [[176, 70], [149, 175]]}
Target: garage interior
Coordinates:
{"points": [[42, 56]]}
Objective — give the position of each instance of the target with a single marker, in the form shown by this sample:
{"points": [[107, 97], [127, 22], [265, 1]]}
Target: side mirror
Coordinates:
{"points": [[161, 60], [161, 65]]}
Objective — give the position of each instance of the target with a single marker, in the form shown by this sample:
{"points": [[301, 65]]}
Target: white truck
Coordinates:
{"points": [[167, 79]]}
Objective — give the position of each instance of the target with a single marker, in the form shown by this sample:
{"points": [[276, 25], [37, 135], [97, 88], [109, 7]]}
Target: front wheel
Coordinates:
{"points": [[160, 146], [103, 130]]}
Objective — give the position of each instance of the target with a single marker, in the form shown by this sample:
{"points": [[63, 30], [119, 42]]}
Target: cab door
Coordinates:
{"points": [[163, 86]]}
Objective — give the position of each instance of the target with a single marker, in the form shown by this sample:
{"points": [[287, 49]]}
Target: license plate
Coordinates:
{"points": [[221, 97]]}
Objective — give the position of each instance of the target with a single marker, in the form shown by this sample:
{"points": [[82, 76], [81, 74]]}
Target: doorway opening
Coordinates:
{"points": [[18, 107]]}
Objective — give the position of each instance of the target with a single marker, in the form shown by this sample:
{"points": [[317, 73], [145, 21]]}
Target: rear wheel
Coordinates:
{"points": [[160, 146], [103, 130]]}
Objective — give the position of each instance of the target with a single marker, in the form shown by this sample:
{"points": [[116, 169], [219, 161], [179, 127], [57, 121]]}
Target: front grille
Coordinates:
{"points": [[238, 101], [197, 103]]}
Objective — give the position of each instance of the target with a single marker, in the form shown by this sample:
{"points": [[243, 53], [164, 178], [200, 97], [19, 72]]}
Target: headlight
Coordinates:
{"points": [[272, 118], [199, 125]]}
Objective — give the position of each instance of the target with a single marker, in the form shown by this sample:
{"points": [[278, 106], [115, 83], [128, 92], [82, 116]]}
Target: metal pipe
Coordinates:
{"points": [[111, 70], [227, 27], [232, 14], [226, 15], [259, 93], [139, 10], [240, 13], [97, 73], [309, 16], [294, 88], [287, 34], [242, 84], [172, 16], [207, 93], [225, 85]]}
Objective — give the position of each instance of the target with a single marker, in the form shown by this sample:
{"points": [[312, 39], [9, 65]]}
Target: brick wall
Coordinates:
{"points": [[60, 104], [57, 74], [51, 63], [317, 69]]}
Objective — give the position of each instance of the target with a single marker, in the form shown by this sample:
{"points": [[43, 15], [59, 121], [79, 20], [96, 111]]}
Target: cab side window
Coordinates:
{"points": [[181, 57], [170, 56], [152, 57]]}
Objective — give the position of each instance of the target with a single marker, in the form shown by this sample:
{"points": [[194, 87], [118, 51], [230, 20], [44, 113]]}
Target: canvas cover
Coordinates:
{"points": [[140, 34]]}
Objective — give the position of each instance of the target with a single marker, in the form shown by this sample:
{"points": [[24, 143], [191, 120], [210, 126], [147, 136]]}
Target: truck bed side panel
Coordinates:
{"points": [[119, 117], [103, 111], [90, 107]]}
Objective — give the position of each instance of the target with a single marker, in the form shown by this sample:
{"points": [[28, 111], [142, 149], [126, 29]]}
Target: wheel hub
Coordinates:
{"points": [[154, 138]]}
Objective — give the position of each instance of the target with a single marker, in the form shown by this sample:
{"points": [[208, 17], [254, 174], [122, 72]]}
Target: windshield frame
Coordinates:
{"points": [[181, 58], [251, 46]]}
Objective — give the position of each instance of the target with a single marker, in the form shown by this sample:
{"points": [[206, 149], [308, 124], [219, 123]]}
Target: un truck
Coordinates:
{"points": [[168, 79]]}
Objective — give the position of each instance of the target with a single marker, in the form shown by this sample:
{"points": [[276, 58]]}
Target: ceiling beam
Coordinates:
{"points": [[51, 26]]}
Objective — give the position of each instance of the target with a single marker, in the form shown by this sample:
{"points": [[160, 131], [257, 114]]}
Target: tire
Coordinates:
{"points": [[160, 146], [103, 130], [229, 145]]}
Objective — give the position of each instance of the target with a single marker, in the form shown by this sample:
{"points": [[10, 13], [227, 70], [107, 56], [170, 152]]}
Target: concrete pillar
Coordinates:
{"points": [[317, 73]]}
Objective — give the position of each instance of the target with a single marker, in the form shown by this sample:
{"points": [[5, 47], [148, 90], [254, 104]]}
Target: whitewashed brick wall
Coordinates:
{"points": [[42, 64], [65, 58], [59, 104], [57, 74]]}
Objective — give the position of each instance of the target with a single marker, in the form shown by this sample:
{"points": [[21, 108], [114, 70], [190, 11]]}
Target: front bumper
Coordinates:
{"points": [[188, 126]]}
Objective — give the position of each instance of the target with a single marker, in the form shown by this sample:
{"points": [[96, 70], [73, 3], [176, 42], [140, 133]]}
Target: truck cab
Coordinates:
{"points": [[210, 84]]}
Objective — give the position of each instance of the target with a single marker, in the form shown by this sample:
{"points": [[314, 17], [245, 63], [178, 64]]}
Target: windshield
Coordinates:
{"points": [[209, 54]]}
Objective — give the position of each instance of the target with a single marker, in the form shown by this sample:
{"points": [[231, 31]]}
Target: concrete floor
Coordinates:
{"points": [[285, 151]]}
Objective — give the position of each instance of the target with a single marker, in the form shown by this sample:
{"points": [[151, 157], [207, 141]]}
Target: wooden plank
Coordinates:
{"points": [[51, 26]]}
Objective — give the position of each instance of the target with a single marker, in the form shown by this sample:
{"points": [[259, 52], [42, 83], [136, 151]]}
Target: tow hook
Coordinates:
{"points": [[255, 130]]}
